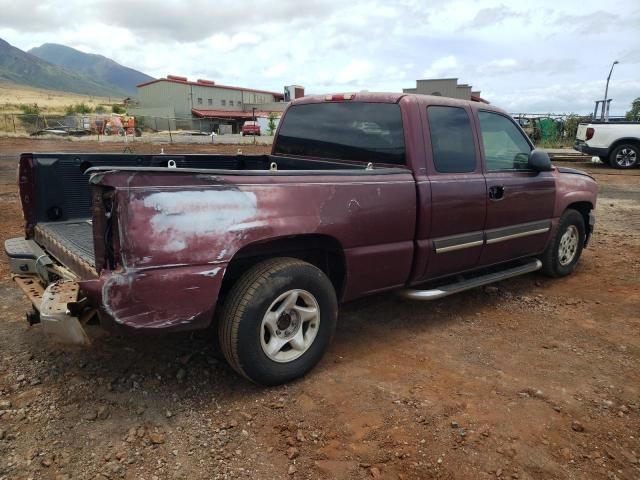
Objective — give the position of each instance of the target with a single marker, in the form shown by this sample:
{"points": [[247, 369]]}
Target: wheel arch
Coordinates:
{"points": [[584, 208], [322, 251], [621, 141]]}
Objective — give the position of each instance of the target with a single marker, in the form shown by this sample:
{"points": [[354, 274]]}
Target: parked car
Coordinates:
{"points": [[361, 194], [250, 128], [616, 143]]}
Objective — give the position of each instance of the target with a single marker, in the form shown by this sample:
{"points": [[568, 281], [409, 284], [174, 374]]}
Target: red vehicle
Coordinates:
{"points": [[251, 128], [362, 193]]}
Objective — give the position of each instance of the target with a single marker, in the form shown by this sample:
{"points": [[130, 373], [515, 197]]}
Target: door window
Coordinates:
{"points": [[505, 147], [451, 140]]}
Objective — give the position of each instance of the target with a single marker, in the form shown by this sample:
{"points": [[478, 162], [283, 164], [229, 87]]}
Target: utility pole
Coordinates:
{"points": [[606, 92], [253, 110]]}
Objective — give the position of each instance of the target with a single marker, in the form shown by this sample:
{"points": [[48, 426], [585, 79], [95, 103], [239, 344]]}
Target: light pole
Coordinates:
{"points": [[606, 91], [253, 110]]}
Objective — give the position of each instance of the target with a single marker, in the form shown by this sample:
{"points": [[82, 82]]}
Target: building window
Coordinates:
{"points": [[199, 100], [239, 103], [210, 101], [223, 103], [231, 103]]}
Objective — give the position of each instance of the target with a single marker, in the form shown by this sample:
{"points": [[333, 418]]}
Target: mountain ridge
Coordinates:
{"points": [[92, 65], [68, 70]]}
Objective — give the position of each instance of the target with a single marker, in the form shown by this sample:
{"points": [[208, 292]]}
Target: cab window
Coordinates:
{"points": [[451, 140], [505, 147]]}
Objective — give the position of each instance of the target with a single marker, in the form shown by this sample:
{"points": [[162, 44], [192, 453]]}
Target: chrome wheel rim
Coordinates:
{"points": [[290, 326], [568, 245], [626, 157]]}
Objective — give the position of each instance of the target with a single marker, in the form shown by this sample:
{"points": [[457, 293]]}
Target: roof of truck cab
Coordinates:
{"points": [[391, 97]]}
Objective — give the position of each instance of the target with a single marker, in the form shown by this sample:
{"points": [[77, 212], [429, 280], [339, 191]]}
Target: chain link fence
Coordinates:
{"points": [[120, 125]]}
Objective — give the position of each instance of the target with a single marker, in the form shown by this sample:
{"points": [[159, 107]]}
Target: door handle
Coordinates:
{"points": [[496, 192]]}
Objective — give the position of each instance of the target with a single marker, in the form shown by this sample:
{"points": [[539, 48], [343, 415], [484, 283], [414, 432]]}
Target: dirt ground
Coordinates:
{"points": [[531, 379]]}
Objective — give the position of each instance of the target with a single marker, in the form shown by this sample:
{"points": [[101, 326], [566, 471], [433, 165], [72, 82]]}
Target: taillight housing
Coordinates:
{"points": [[590, 132]]}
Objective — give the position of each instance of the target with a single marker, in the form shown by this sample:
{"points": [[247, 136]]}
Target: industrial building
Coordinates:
{"points": [[175, 102], [446, 87]]}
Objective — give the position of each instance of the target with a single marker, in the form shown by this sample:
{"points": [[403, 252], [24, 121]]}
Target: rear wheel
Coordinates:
{"points": [[625, 156], [564, 250], [278, 320]]}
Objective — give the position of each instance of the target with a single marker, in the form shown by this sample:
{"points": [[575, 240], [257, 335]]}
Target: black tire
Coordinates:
{"points": [[241, 328], [552, 263], [625, 156]]}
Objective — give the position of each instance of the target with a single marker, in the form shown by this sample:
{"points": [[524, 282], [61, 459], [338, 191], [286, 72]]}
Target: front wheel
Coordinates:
{"points": [[564, 250], [278, 320], [625, 156]]}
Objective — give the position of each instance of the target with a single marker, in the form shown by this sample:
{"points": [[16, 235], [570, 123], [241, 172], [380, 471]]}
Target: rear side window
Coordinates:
{"points": [[451, 140], [505, 147], [364, 132]]}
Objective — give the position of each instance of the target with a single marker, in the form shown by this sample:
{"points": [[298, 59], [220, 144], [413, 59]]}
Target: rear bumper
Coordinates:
{"points": [[147, 300], [58, 310], [582, 146]]}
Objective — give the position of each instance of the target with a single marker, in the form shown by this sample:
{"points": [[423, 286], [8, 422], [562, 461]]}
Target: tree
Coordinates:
{"points": [[271, 126], [634, 113]]}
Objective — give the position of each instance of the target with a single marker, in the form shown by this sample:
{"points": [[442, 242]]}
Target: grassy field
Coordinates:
{"points": [[48, 101]]}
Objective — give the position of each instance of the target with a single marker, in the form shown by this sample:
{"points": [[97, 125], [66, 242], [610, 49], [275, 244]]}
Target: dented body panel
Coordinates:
{"points": [[177, 233]]}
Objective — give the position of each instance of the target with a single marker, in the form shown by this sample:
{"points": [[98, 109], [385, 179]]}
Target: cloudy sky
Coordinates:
{"points": [[551, 57]]}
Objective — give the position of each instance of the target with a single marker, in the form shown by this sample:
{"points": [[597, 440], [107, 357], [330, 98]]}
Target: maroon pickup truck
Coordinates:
{"points": [[362, 193]]}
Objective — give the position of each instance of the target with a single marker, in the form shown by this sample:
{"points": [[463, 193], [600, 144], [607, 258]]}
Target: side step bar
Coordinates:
{"points": [[446, 290]]}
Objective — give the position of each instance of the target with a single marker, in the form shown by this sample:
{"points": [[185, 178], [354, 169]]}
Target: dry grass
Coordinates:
{"points": [[49, 101]]}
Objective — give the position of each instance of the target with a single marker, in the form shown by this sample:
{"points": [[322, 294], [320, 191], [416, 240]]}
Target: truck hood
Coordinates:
{"points": [[573, 171]]}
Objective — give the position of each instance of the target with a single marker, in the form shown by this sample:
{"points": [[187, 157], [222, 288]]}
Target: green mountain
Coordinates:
{"points": [[93, 66], [23, 68]]}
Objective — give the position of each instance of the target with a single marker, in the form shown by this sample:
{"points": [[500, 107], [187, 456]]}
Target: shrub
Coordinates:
{"points": [[271, 126], [100, 109], [118, 109], [30, 109], [78, 108], [83, 108], [634, 113]]}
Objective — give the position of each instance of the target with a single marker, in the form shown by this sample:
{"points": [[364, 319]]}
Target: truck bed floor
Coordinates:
{"points": [[71, 242]]}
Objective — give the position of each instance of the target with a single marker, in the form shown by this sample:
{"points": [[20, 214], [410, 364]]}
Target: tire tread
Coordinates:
{"points": [[241, 295]]}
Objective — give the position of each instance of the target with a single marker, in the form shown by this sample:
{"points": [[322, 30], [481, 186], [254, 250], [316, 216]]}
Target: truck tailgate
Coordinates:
{"points": [[581, 134]]}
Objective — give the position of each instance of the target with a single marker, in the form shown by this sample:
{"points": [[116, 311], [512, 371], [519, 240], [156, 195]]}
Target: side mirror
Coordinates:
{"points": [[539, 161]]}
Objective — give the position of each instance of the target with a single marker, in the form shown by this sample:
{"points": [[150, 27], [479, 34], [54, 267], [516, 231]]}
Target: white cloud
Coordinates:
{"points": [[514, 52], [443, 67], [501, 65], [276, 70], [355, 72]]}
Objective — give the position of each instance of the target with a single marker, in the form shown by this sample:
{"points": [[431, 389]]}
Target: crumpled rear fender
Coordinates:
{"points": [[167, 299]]}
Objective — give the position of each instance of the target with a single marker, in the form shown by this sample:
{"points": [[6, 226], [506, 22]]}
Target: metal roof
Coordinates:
{"points": [[209, 84]]}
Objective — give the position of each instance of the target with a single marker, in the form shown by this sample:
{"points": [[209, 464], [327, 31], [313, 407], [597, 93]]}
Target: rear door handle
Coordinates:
{"points": [[496, 192]]}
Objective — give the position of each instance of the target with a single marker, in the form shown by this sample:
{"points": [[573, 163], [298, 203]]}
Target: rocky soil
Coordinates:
{"points": [[528, 379]]}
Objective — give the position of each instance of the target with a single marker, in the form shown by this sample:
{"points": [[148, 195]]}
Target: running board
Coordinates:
{"points": [[446, 290]]}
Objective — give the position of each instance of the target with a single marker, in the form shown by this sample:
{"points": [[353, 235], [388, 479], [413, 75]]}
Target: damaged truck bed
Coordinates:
{"points": [[362, 193]]}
